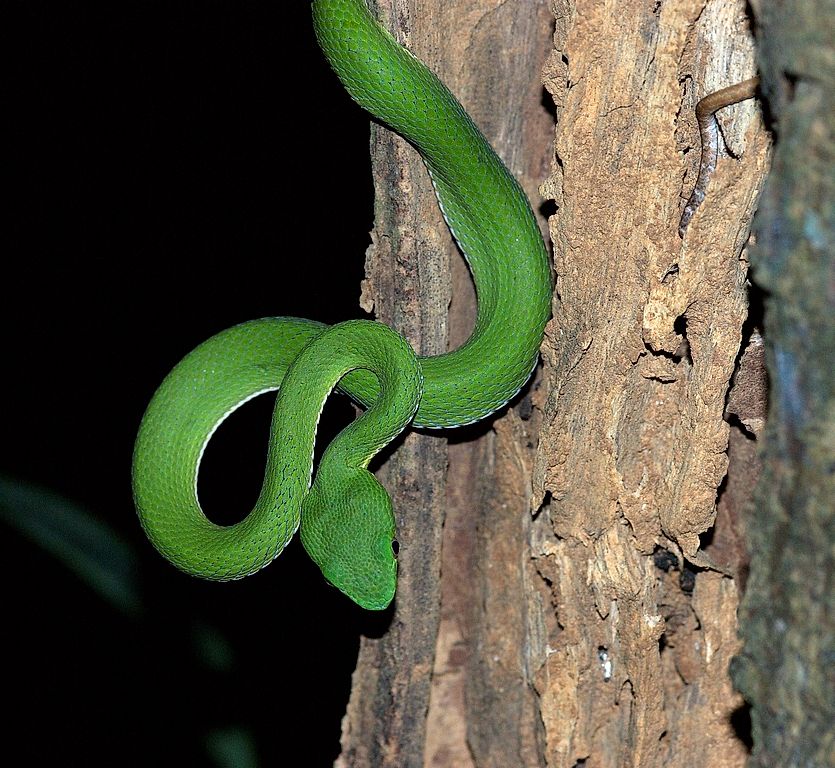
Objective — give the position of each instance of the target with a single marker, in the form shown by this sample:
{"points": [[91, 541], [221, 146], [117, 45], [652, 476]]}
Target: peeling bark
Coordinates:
{"points": [[644, 341]]}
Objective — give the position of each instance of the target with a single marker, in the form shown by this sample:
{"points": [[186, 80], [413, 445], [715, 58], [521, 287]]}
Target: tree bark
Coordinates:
{"points": [[407, 287], [559, 599], [787, 623], [489, 52], [632, 665], [630, 658]]}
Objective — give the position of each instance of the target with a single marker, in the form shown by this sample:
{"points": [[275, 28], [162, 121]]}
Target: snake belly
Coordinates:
{"points": [[346, 519]]}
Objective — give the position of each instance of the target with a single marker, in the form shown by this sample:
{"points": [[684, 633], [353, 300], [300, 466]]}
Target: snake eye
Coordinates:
{"points": [[395, 547]]}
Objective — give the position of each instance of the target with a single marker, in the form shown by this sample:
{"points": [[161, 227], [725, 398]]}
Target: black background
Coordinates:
{"points": [[175, 168]]}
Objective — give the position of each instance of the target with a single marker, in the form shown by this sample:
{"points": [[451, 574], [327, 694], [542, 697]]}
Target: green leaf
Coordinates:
{"points": [[84, 544]]}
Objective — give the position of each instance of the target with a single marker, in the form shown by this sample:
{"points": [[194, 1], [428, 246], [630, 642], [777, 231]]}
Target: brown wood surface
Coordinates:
{"points": [[639, 357]]}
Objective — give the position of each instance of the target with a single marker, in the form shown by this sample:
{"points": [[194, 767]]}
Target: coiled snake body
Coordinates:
{"points": [[345, 516]]}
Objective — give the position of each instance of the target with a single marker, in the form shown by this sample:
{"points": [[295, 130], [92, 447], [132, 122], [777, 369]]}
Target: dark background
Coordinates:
{"points": [[176, 168]]}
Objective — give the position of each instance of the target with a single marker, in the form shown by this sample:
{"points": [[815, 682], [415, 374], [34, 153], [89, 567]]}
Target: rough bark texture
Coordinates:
{"points": [[479, 688], [788, 615], [632, 626], [570, 593]]}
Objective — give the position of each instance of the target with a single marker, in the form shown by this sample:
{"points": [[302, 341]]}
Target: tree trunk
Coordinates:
{"points": [[420, 285], [632, 666], [788, 615], [559, 600]]}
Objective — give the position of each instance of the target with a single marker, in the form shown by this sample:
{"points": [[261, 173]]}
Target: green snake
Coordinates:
{"points": [[344, 515]]}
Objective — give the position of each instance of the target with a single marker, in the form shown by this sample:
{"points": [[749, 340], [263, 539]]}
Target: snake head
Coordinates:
{"points": [[347, 528]]}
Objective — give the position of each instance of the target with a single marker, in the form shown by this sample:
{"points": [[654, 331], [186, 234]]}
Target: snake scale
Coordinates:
{"points": [[344, 515]]}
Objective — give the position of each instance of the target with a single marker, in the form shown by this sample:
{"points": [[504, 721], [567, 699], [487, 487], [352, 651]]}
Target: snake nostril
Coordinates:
{"points": [[395, 547]]}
